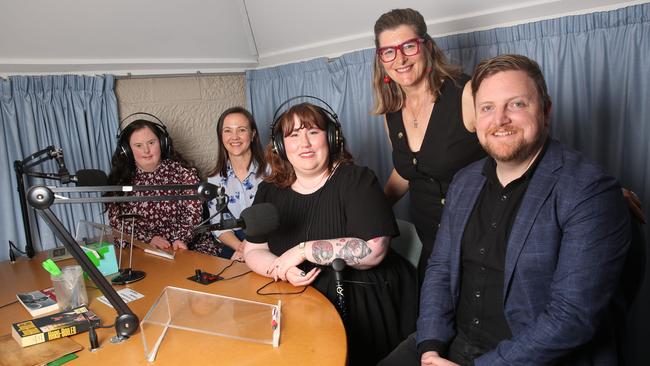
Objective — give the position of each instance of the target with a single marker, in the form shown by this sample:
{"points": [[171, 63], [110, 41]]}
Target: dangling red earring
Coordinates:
{"points": [[429, 69], [386, 79]]}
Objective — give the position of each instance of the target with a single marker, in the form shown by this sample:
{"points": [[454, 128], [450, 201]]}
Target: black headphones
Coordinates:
{"points": [[159, 129], [334, 134]]}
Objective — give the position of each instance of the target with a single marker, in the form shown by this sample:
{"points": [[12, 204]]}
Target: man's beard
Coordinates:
{"points": [[518, 150]]}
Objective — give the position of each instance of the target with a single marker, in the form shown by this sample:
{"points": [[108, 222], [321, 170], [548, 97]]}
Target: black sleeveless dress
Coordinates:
{"points": [[447, 147], [381, 301]]}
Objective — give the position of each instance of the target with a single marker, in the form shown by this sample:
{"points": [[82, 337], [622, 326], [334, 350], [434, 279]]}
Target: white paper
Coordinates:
{"points": [[126, 294]]}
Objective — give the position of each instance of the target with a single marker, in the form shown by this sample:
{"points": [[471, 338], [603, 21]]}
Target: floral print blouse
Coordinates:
{"points": [[172, 220], [240, 193]]}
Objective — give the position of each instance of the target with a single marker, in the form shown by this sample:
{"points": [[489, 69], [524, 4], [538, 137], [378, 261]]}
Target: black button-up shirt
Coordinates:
{"points": [[483, 251]]}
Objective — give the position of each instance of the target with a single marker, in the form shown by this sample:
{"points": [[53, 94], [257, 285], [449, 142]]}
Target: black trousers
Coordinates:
{"points": [[461, 351]]}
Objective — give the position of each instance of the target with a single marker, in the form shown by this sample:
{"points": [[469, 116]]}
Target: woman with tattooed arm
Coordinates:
{"points": [[330, 208]]}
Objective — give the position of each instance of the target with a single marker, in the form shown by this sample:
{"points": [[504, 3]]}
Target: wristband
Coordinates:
{"points": [[301, 247]]}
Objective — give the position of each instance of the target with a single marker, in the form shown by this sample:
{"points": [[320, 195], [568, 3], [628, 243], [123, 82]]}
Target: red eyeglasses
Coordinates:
{"points": [[408, 48]]}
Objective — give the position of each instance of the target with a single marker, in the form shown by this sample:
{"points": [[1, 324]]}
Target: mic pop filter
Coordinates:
{"points": [[260, 219], [90, 177]]}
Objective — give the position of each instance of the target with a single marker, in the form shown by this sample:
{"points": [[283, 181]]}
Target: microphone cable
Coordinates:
{"points": [[233, 277], [12, 255], [311, 217], [259, 290], [220, 209], [361, 283], [7, 304], [12, 245]]}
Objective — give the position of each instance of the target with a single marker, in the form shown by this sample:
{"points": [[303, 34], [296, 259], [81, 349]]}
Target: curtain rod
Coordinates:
{"points": [[145, 76], [176, 75]]}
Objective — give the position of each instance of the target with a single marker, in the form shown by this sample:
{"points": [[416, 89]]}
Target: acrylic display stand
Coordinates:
{"points": [[98, 239], [93, 236], [195, 311], [90, 232], [110, 234]]}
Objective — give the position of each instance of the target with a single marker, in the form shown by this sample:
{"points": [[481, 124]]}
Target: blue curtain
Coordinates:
{"points": [[597, 74], [344, 83], [593, 66], [75, 113]]}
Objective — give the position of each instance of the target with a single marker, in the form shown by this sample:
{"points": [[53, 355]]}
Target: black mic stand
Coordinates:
{"points": [[22, 168], [222, 205], [42, 198]]}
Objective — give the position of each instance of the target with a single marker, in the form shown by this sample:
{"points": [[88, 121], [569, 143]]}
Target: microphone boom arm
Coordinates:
{"points": [[21, 168], [37, 157], [42, 198], [126, 322]]}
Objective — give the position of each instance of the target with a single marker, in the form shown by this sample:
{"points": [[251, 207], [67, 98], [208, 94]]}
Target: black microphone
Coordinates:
{"points": [[89, 177], [258, 219], [64, 174], [208, 191], [338, 265], [228, 220]]}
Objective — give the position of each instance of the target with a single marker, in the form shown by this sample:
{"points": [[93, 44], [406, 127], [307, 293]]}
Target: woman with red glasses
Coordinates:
{"points": [[419, 92]]}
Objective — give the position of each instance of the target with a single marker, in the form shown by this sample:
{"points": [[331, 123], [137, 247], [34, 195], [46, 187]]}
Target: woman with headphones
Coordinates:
{"points": [[239, 169], [145, 156], [330, 208]]}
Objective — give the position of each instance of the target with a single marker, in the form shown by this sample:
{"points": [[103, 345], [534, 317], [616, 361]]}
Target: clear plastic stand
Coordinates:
{"points": [[98, 239], [88, 232], [178, 308], [94, 231]]}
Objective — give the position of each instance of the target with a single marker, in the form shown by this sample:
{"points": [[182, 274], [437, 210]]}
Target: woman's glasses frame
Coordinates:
{"points": [[409, 47]]}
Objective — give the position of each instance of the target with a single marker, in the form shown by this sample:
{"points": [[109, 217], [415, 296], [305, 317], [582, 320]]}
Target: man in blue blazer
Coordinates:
{"points": [[531, 243]]}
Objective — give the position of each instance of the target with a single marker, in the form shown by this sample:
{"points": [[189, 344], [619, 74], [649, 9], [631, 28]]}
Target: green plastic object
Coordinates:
{"points": [[51, 267], [62, 360]]}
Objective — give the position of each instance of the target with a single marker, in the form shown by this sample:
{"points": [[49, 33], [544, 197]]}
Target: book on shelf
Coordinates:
{"points": [[54, 326], [38, 302]]}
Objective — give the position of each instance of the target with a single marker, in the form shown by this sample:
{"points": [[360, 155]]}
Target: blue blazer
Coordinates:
{"points": [[563, 259]]}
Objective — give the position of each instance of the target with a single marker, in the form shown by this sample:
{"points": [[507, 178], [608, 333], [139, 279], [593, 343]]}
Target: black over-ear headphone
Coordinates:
{"points": [[334, 134], [159, 129]]}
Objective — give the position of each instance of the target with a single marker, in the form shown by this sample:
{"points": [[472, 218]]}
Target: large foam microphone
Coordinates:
{"points": [[259, 219], [89, 177], [338, 265]]}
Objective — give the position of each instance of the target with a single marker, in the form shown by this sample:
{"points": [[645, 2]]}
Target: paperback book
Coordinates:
{"points": [[54, 326], [39, 302]]}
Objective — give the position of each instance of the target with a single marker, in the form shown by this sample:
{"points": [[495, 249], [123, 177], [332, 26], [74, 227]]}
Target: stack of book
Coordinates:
{"points": [[54, 326]]}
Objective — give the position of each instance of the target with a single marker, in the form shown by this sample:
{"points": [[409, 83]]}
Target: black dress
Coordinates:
{"points": [[447, 147], [381, 305]]}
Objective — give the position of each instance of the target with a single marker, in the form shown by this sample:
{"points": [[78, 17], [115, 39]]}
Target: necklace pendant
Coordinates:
{"points": [[415, 123]]}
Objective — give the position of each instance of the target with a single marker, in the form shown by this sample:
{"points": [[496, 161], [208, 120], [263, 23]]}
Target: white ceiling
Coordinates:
{"points": [[145, 37]]}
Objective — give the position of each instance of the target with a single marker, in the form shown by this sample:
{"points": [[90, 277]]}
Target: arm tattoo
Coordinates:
{"points": [[354, 250], [322, 251]]}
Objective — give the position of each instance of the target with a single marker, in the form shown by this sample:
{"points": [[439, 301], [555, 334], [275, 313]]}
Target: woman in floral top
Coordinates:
{"points": [[145, 156], [239, 169]]}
